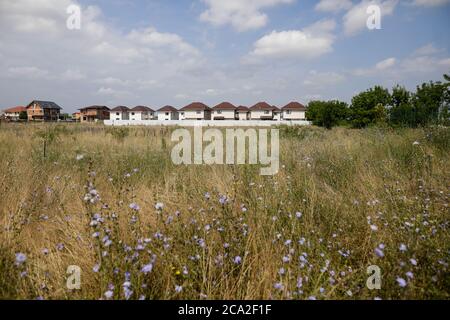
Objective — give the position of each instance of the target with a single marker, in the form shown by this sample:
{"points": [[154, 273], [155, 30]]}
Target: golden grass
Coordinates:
{"points": [[336, 179]]}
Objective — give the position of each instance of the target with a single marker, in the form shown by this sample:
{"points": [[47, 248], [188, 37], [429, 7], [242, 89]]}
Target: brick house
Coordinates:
{"points": [[43, 111]]}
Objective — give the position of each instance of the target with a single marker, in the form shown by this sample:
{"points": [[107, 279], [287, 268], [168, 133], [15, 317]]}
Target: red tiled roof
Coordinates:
{"points": [[15, 109], [225, 106], [262, 106], [196, 106], [168, 109], [243, 109], [294, 106]]}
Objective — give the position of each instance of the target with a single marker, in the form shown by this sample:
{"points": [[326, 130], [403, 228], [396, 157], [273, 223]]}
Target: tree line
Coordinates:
{"points": [[429, 105]]}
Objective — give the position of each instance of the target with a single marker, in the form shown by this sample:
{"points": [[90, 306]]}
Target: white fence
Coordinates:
{"points": [[207, 123]]}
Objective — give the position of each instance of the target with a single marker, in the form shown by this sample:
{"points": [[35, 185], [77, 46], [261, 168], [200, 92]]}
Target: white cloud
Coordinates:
{"points": [[243, 15], [355, 20], [430, 3], [385, 64], [428, 49], [321, 79], [28, 73], [311, 42], [333, 5], [36, 44], [424, 60], [73, 75], [105, 91]]}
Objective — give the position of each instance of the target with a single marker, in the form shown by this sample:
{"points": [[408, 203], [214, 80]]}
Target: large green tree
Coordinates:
{"points": [[369, 107], [402, 111], [430, 102], [327, 113]]}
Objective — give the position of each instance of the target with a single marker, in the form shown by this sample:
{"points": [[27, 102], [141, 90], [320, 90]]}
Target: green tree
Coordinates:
{"points": [[402, 112], [366, 107], [445, 110], [430, 103], [327, 113], [23, 115]]}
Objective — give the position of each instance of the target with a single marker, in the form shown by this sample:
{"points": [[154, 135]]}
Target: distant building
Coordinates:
{"points": [[43, 111], [94, 114], [120, 113], [277, 113], [76, 116], [142, 113], [262, 111], [14, 113], [224, 111], [196, 111], [243, 113], [294, 111], [168, 113]]}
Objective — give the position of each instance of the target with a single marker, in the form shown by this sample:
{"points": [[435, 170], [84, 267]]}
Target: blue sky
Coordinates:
{"points": [[155, 52]]}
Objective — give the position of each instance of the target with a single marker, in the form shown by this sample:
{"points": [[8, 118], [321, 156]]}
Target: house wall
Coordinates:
{"points": [[136, 115], [91, 115], [36, 113], [257, 114], [243, 116], [192, 115], [167, 116], [12, 115], [227, 114], [118, 115], [295, 115]]}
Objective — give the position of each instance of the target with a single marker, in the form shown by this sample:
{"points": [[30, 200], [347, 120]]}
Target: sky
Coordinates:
{"points": [[159, 52]]}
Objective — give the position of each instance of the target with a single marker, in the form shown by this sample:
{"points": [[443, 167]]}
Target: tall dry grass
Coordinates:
{"points": [[111, 201]]}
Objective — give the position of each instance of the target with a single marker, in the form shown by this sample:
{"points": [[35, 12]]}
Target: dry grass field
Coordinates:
{"points": [[112, 202]]}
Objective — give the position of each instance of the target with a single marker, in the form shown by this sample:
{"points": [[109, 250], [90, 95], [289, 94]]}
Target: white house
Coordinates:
{"points": [[14, 113], [141, 113], [277, 113], [294, 111], [224, 111], [243, 113], [196, 111], [119, 113], [168, 113], [262, 111]]}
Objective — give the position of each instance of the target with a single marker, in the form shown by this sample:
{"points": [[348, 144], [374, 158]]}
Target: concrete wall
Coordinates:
{"points": [[206, 123]]}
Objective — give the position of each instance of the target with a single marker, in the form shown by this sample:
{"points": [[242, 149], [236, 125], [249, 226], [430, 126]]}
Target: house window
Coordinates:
{"points": [[167, 113], [288, 112], [266, 112], [117, 114], [132, 113], [199, 112], [219, 112]]}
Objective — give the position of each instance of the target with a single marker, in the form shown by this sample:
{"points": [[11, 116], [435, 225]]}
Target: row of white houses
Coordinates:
{"points": [[261, 111]]}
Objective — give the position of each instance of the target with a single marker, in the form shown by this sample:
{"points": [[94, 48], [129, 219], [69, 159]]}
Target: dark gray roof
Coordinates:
{"points": [[121, 109], [45, 104], [95, 108]]}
